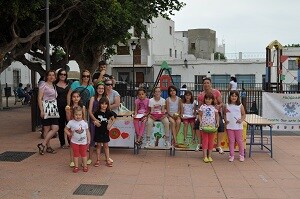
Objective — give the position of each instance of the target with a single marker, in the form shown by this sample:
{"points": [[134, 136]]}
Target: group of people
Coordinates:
{"points": [[89, 99], [211, 116], [24, 93], [95, 100]]}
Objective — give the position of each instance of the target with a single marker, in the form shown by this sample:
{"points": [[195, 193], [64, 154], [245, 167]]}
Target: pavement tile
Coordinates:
{"points": [[209, 192], [241, 192], [269, 192]]}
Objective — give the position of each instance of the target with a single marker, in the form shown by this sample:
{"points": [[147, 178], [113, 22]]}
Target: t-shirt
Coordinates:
{"points": [[103, 117], [79, 134], [111, 98], [188, 109], [86, 92], [233, 85], [142, 105], [208, 115], [97, 75], [49, 91], [233, 113], [157, 105]]}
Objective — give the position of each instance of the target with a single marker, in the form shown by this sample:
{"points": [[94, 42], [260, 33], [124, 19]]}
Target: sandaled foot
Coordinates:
{"points": [[64, 146], [111, 160], [41, 148], [89, 161], [50, 150], [109, 163], [72, 164], [85, 169], [97, 163], [75, 170]]}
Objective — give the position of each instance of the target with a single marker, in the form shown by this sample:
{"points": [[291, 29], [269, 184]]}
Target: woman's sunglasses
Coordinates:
{"points": [[63, 74], [88, 76]]}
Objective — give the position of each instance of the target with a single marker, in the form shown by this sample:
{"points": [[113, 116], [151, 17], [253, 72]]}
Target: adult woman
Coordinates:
{"points": [[113, 96], [47, 91], [207, 88], [232, 84], [93, 107], [62, 88], [84, 87]]}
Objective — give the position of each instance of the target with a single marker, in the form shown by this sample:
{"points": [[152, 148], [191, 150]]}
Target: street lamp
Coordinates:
{"points": [[185, 63], [47, 37], [133, 46]]}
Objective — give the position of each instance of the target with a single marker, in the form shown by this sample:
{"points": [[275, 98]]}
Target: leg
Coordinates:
{"points": [[220, 135], [173, 129], [166, 124], [239, 139], [210, 146], [136, 122], [142, 130], [106, 151], [193, 131], [177, 127], [62, 124], [75, 149], [150, 123], [51, 132], [204, 144], [231, 137], [98, 151], [185, 128], [83, 154]]}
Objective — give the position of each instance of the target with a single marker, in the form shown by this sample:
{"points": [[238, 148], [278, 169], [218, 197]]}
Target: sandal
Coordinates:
{"points": [[64, 146], [109, 163], [97, 163], [41, 148], [75, 170], [50, 150], [85, 169]]}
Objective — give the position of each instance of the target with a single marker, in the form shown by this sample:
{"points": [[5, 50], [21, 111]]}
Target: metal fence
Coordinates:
{"points": [[253, 93]]}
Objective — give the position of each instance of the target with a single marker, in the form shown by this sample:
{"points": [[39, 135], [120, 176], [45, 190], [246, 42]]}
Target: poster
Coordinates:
{"points": [[122, 133], [283, 110]]}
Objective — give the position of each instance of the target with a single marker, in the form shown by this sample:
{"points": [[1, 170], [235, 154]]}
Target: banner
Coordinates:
{"points": [[282, 109]]}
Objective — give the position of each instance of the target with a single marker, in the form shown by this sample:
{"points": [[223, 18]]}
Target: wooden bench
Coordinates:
{"points": [[18, 99]]}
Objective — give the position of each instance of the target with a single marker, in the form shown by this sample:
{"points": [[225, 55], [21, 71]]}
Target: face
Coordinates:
{"points": [[63, 75], [157, 92], [51, 77], [172, 92], [208, 101], [78, 115], [86, 76], [76, 98], [141, 95], [100, 89], [188, 97], [206, 85], [103, 106], [233, 97], [108, 85], [102, 67]]}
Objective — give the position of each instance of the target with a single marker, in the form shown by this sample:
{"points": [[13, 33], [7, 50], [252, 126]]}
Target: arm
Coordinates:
{"points": [[69, 97], [68, 113], [88, 136], [40, 102], [84, 113], [200, 113], [217, 118], [100, 78], [116, 103], [167, 107], [67, 131], [243, 113], [91, 109], [179, 106], [135, 109]]}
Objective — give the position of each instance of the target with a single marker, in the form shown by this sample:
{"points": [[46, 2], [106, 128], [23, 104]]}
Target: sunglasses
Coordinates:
{"points": [[108, 84], [88, 76], [63, 74]]}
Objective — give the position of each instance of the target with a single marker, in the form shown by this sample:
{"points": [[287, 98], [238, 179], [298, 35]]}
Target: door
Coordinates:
{"points": [[139, 78], [137, 55]]}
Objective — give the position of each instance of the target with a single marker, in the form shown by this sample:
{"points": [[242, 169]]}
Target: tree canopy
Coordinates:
{"points": [[79, 30]]}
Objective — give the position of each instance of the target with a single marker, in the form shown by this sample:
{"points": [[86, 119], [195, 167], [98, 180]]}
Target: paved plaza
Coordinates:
{"points": [[150, 174]]}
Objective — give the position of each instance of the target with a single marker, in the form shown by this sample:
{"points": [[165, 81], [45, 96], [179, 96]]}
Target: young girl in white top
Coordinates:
{"points": [[157, 106], [78, 130], [173, 105], [188, 109], [234, 116]]}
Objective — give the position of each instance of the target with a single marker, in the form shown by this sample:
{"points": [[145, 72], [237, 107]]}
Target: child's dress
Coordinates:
{"points": [[102, 133]]}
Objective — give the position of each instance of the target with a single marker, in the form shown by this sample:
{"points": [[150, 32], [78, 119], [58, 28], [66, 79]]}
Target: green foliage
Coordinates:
{"points": [[292, 45], [217, 54]]}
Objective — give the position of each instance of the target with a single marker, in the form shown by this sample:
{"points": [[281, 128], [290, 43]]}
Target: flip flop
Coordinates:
{"points": [[41, 148], [97, 163]]}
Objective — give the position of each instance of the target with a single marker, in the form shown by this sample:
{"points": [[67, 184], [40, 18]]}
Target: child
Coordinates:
{"points": [[234, 117], [78, 130], [141, 109], [208, 116], [157, 113], [188, 113], [105, 119], [75, 102], [173, 105]]}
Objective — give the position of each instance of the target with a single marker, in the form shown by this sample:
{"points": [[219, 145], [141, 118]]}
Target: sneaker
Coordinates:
{"points": [[197, 147], [72, 164], [242, 158], [210, 159], [89, 161], [206, 160], [231, 158], [220, 150]]}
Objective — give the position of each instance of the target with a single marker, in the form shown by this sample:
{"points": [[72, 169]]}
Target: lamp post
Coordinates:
{"points": [[185, 63], [133, 46], [47, 37]]}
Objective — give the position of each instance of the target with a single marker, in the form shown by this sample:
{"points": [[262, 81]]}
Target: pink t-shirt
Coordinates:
{"points": [[49, 92], [142, 105], [216, 94]]}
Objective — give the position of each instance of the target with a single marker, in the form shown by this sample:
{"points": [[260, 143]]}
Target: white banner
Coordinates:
{"points": [[282, 109]]}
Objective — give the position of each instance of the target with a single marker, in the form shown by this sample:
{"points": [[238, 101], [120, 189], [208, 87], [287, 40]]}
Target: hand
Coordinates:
{"points": [[103, 72], [239, 121], [217, 125], [97, 123]]}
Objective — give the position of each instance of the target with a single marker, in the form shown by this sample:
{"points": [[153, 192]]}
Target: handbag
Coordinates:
{"points": [[50, 109]]}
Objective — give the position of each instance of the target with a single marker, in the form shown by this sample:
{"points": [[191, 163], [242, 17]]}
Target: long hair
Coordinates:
{"points": [[238, 101], [169, 90], [104, 100], [58, 74], [47, 74], [85, 71], [96, 93], [188, 92]]}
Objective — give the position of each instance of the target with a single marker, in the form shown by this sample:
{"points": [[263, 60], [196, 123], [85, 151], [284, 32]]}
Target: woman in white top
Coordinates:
{"points": [[232, 84]]}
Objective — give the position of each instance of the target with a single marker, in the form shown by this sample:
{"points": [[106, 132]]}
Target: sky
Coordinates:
{"points": [[243, 25]]}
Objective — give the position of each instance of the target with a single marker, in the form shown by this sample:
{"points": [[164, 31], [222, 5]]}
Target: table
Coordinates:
{"points": [[253, 121]]}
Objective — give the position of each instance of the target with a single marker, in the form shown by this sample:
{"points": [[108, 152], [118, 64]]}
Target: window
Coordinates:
{"points": [[193, 46], [16, 78], [220, 82], [248, 81], [198, 82], [175, 53], [170, 30], [123, 50], [170, 50], [292, 65]]}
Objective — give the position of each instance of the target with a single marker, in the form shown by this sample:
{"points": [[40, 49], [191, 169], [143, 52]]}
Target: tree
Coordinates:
{"points": [[84, 31], [220, 56]]}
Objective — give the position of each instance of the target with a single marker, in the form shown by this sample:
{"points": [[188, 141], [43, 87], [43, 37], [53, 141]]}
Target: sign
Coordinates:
{"points": [[282, 109], [122, 133]]}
